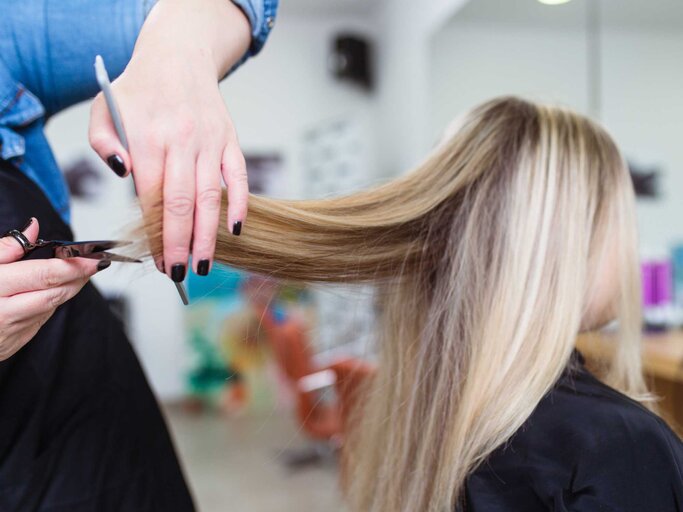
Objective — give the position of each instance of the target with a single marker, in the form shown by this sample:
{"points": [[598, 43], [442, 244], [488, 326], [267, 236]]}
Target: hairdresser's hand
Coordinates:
{"points": [[30, 291], [180, 134]]}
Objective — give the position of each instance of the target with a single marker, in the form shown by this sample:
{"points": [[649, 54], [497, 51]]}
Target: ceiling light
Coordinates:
{"points": [[554, 2]]}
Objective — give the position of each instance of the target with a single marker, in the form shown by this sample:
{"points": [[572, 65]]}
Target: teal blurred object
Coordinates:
{"points": [[223, 282], [677, 261], [211, 372]]}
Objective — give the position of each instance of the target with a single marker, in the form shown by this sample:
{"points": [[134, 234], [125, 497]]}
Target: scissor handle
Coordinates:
{"points": [[25, 243]]}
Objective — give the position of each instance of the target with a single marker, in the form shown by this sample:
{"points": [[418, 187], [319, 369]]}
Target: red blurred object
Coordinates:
{"points": [[320, 419]]}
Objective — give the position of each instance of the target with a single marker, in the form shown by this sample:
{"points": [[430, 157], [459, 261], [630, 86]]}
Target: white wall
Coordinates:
{"points": [[643, 109], [405, 29], [272, 99], [287, 90], [473, 63], [642, 105]]}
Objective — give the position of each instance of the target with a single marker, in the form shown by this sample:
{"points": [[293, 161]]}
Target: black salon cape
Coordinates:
{"points": [[80, 430], [586, 448]]}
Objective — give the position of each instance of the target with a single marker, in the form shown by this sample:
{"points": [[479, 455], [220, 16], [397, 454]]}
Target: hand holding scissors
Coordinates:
{"points": [[31, 290], [92, 249]]}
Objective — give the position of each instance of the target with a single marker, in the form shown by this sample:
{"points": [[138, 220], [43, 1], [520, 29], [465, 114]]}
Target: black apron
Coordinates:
{"points": [[80, 429]]}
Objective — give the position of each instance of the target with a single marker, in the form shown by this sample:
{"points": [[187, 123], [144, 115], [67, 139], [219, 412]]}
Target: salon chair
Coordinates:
{"points": [[325, 395]]}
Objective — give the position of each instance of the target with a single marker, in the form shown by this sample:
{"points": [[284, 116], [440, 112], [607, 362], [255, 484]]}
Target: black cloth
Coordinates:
{"points": [[585, 448], [80, 430]]}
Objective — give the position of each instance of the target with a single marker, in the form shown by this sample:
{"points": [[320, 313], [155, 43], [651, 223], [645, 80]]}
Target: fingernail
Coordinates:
{"points": [[203, 268], [178, 272], [237, 228], [103, 264], [28, 224], [117, 165]]}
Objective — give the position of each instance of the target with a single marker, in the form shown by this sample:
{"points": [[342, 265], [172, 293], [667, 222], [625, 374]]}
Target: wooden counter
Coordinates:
{"points": [[662, 353], [662, 364]]}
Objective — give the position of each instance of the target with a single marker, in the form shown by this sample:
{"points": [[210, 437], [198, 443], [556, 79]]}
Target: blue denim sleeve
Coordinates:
{"points": [[261, 15], [50, 45]]}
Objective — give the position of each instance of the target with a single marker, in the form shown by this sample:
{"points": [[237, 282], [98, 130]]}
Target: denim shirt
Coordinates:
{"points": [[47, 51]]}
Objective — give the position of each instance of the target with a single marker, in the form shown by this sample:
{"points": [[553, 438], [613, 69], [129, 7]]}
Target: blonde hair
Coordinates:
{"points": [[485, 255]]}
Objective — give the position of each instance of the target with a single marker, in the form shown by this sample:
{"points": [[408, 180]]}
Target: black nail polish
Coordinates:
{"points": [[103, 264], [117, 165], [28, 225], [237, 228], [178, 272], [203, 268]]}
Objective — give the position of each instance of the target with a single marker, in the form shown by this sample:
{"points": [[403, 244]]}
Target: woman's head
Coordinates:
{"points": [[514, 234], [558, 181]]}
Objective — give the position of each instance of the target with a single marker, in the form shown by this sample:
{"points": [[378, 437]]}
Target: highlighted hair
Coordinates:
{"points": [[486, 257]]}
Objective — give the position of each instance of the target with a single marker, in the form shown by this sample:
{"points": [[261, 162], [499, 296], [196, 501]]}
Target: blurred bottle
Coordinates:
{"points": [[677, 264], [659, 312]]}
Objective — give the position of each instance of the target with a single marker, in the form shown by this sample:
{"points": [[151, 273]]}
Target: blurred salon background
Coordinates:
{"points": [[254, 375]]}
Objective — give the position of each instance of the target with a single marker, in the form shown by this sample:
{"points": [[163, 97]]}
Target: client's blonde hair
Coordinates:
{"points": [[486, 256]]}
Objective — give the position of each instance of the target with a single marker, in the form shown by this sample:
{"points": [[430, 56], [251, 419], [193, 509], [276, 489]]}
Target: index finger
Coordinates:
{"points": [[31, 275]]}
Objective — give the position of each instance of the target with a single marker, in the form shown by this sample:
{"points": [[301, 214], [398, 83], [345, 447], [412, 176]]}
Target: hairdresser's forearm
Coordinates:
{"points": [[199, 34]]}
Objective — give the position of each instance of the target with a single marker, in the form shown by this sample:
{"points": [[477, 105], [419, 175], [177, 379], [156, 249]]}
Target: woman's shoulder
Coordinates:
{"points": [[585, 444]]}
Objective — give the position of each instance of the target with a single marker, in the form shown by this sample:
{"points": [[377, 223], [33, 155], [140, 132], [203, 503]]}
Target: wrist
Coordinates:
{"points": [[232, 36], [214, 32]]}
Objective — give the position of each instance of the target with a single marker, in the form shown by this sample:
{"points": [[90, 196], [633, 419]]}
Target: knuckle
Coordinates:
{"points": [[179, 205], [176, 253], [48, 277], [57, 298], [210, 199], [239, 177], [204, 242]]}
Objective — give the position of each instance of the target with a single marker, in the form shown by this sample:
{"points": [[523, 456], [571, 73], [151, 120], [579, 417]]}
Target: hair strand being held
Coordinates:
{"points": [[485, 256]]}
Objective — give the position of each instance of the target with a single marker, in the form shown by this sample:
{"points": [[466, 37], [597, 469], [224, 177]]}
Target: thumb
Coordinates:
{"points": [[10, 249], [104, 140]]}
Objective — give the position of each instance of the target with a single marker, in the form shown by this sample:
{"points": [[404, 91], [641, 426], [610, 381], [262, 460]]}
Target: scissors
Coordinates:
{"points": [[105, 85], [93, 249]]}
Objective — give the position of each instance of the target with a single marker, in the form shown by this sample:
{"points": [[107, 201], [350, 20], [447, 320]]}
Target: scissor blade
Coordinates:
{"points": [[65, 252], [110, 256], [91, 252], [88, 246], [65, 249]]}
